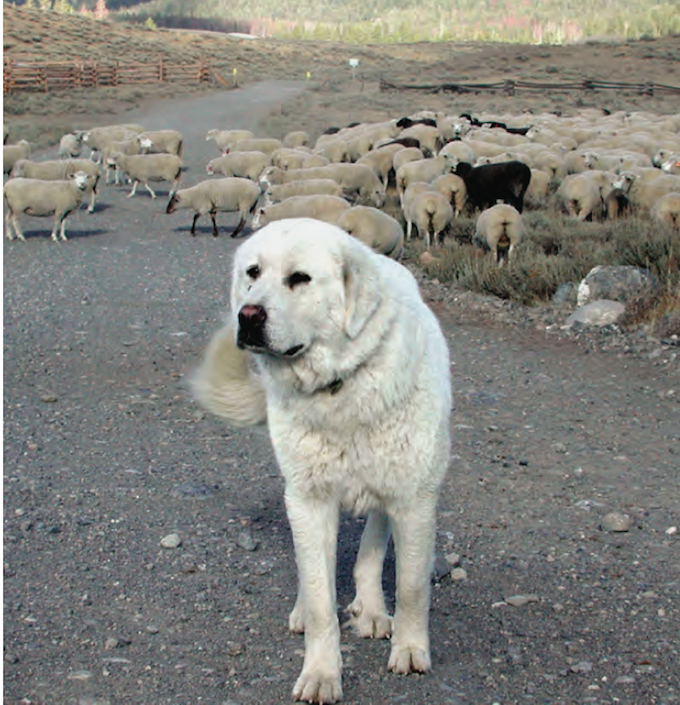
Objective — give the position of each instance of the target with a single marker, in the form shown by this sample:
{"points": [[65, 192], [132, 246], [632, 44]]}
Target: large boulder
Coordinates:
{"points": [[616, 283]]}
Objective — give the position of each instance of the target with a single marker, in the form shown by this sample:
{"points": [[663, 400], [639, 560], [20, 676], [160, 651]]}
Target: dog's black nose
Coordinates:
{"points": [[251, 320]]}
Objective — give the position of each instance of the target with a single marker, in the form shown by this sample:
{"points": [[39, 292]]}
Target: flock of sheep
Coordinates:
{"points": [[379, 181]]}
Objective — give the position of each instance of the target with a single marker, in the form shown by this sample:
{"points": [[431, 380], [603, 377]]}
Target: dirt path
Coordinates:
{"points": [[106, 454]]}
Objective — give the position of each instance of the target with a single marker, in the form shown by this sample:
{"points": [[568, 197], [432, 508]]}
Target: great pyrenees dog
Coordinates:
{"points": [[332, 346]]}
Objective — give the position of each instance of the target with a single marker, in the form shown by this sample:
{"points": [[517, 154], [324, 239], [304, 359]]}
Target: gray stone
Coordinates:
{"points": [[616, 283], [597, 313]]}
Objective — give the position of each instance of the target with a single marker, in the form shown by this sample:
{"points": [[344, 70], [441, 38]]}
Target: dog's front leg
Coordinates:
{"points": [[314, 524], [414, 532]]}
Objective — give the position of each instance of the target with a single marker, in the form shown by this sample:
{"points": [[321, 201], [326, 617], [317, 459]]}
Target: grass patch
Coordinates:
{"points": [[559, 250]]}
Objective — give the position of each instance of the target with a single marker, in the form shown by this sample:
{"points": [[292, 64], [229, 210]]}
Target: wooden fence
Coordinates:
{"points": [[510, 86], [63, 76]]}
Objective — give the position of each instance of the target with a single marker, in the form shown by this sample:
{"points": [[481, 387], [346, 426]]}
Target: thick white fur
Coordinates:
{"points": [[359, 420]]}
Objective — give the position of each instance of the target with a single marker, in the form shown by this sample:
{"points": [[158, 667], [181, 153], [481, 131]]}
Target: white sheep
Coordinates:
{"points": [[129, 146], [538, 191], [499, 229], [325, 208], [381, 160], [40, 198], [644, 193], [374, 228], [427, 136], [297, 138], [358, 181], [335, 150], [59, 170], [70, 145], [231, 194], [225, 138], [405, 155], [307, 187], [309, 162], [97, 138], [11, 153], [248, 165], [161, 142], [666, 210], [430, 211], [148, 167], [582, 194], [453, 187], [268, 145], [423, 170], [459, 150]]}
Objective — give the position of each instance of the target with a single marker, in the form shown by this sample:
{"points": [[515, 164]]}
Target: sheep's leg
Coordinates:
{"points": [[9, 233], [57, 223], [149, 189], [193, 224], [409, 228], [239, 227], [216, 232], [93, 200], [134, 189], [63, 229]]}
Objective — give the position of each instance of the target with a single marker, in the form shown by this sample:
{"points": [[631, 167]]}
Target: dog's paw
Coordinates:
{"points": [[314, 687], [409, 658], [369, 624]]}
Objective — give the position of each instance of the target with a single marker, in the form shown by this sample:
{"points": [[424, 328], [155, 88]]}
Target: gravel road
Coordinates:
{"points": [[561, 504]]}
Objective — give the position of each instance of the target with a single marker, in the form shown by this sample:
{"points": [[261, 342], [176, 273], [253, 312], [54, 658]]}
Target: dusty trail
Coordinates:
{"points": [[105, 454]]}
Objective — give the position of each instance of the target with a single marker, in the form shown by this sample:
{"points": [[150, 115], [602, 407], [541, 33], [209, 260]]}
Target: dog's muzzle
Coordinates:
{"points": [[251, 323]]}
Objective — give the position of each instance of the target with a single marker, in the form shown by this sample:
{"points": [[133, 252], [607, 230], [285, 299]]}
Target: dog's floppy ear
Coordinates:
{"points": [[362, 290]]}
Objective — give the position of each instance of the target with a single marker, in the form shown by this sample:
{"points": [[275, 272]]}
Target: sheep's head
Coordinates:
{"points": [[173, 203], [82, 179], [624, 181]]}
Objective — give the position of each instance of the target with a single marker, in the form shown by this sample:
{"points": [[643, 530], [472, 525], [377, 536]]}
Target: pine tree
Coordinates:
{"points": [[100, 10]]}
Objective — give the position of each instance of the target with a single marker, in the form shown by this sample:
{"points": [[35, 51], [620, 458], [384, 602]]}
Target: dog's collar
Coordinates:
{"points": [[333, 388]]}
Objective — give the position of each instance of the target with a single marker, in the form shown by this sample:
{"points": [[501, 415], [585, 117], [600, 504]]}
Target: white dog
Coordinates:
{"points": [[332, 345]]}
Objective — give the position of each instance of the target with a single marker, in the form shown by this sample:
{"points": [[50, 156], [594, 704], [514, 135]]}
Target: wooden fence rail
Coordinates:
{"points": [[510, 86], [62, 76]]}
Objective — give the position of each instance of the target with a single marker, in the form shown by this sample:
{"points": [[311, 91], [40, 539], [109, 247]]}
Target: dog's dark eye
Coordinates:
{"points": [[298, 278], [253, 272]]}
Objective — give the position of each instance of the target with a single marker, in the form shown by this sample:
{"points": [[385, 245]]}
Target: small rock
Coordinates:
{"points": [[625, 680], [49, 398], [247, 541], [440, 569], [427, 259], [615, 521], [520, 600], [453, 559], [582, 667], [115, 643], [459, 574], [171, 541], [559, 448], [11, 658]]}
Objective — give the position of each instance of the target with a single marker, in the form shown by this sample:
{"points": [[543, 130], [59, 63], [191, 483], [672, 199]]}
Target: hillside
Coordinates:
{"points": [[336, 97]]}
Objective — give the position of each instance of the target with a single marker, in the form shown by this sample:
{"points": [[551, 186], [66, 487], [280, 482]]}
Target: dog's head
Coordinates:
{"points": [[300, 285]]}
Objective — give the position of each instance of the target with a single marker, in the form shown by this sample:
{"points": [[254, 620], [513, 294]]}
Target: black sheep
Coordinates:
{"points": [[489, 183]]}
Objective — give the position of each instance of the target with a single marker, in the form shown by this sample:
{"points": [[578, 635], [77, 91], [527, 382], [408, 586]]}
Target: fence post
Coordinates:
{"points": [[161, 70], [7, 82]]}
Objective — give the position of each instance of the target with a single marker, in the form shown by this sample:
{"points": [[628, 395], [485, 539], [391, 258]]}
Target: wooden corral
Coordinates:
{"points": [[68, 75]]}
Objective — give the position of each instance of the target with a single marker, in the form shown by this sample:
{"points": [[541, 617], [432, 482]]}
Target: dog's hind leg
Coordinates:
{"points": [[368, 615], [414, 527]]}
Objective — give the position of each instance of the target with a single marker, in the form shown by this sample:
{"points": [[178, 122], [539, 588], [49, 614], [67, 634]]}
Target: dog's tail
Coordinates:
{"points": [[226, 384]]}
